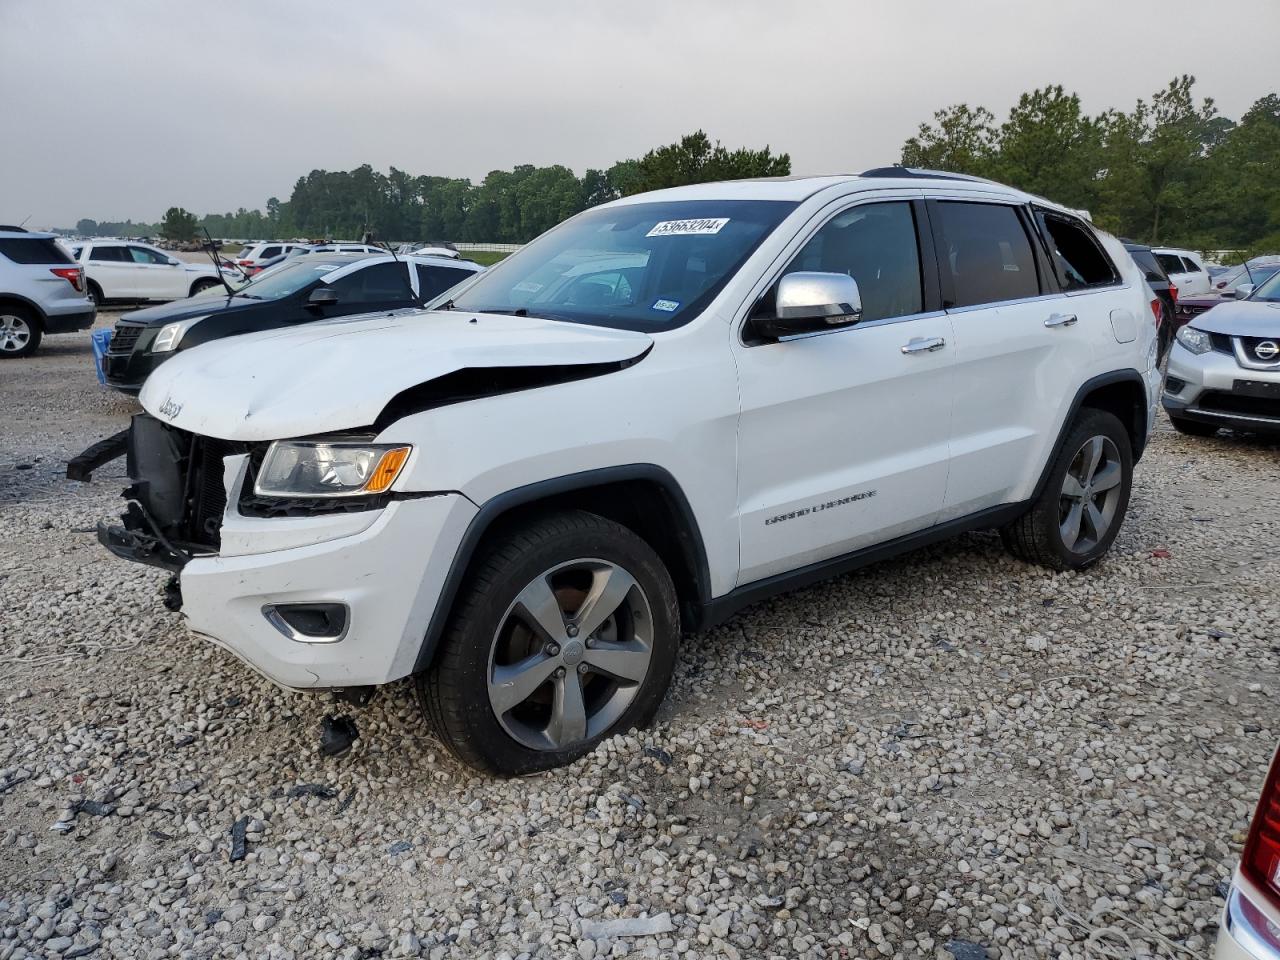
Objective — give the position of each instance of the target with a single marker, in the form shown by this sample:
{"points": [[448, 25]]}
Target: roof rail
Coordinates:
{"points": [[897, 170]]}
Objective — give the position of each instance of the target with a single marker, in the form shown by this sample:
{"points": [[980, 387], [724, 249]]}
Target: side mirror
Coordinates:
{"points": [[1244, 290], [322, 297], [811, 302], [172, 262]]}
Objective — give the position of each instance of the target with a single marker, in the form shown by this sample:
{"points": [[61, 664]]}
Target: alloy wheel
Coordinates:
{"points": [[1090, 494], [570, 654], [15, 333]]}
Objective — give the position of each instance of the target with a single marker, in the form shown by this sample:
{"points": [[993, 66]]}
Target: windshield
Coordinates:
{"points": [[287, 278], [1268, 290], [645, 266]]}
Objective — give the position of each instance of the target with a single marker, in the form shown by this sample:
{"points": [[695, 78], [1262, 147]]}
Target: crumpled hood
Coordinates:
{"points": [[1241, 318], [339, 374]]}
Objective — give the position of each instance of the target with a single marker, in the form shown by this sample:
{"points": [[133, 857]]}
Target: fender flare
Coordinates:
{"points": [[689, 535], [1129, 375]]}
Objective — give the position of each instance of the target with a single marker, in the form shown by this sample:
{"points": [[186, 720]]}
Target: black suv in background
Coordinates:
{"points": [[315, 287], [1163, 288]]}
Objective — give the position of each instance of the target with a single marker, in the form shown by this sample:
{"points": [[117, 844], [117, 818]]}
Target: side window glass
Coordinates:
{"points": [[985, 249], [143, 255], [108, 255], [1171, 263], [1189, 266], [1078, 259], [379, 283], [433, 281], [875, 243], [268, 253]]}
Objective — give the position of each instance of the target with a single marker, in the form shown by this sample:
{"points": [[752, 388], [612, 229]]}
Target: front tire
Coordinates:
{"points": [[565, 633], [20, 332], [200, 286], [1077, 515]]}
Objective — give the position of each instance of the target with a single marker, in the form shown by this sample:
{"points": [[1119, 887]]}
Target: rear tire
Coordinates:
{"points": [[1193, 428], [95, 294], [520, 685], [20, 332], [1077, 515]]}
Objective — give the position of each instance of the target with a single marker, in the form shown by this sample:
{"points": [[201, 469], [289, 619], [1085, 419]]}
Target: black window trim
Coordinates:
{"points": [[929, 274], [1046, 278]]}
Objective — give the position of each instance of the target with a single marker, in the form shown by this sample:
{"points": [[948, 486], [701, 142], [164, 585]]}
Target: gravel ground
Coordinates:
{"points": [[953, 755]]}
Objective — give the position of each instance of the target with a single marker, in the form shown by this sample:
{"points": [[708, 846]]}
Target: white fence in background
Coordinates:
{"points": [[494, 247]]}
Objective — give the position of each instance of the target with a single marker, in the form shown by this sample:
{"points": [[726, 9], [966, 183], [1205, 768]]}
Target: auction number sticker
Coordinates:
{"points": [[687, 228], [667, 306]]}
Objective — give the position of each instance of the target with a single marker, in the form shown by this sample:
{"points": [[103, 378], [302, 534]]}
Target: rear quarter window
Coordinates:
{"points": [[1077, 257], [33, 250]]}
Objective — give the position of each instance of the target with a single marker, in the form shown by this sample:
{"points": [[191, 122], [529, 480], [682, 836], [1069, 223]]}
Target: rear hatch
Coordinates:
{"points": [[40, 268]]}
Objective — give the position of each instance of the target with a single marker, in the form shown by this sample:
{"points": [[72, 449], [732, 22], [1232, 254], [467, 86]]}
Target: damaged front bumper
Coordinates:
{"points": [[239, 573]]}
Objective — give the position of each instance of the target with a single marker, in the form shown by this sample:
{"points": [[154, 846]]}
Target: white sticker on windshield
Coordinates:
{"points": [[527, 286], [687, 228], [668, 306]]}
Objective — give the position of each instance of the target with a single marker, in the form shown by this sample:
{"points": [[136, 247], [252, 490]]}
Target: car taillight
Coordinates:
{"points": [[1261, 859], [1173, 292], [73, 276], [245, 263], [1157, 311]]}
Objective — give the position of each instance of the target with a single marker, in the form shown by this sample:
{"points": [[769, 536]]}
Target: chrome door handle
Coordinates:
{"points": [[1061, 320], [923, 345]]}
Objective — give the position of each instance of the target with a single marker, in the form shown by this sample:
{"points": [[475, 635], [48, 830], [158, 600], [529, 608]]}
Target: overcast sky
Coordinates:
{"points": [[120, 109]]}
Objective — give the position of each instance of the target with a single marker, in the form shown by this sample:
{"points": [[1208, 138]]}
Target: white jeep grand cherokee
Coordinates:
{"points": [[665, 408]]}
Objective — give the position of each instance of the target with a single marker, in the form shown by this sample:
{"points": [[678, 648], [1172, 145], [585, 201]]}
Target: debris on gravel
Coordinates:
{"points": [[952, 755]]}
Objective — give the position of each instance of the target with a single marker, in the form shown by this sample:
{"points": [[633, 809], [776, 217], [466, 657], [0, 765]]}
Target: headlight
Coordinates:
{"points": [[300, 469], [171, 334], [1197, 341]]}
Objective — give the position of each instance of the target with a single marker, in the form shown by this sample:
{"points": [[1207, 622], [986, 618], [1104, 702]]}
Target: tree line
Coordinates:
{"points": [[1170, 170]]}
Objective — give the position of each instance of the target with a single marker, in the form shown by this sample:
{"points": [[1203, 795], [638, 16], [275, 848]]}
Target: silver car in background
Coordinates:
{"points": [[1224, 367]]}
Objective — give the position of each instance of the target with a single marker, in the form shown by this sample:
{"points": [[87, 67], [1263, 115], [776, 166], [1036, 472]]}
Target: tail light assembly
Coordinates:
{"points": [[1157, 311], [1173, 293], [73, 276], [1260, 862]]}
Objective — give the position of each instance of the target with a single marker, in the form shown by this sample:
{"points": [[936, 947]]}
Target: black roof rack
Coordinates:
{"points": [[899, 171]]}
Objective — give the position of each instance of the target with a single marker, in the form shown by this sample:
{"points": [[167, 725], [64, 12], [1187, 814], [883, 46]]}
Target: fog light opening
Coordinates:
{"points": [[309, 622]]}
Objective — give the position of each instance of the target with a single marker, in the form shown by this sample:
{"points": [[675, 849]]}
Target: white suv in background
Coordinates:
{"points": [[666, 408], [1185, 269], [130, 270]]}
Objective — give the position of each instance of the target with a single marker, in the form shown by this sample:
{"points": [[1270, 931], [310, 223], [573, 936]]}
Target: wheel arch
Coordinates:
{"points": [[1122, 393], [642, 497], [202, 282], [15, 299]]}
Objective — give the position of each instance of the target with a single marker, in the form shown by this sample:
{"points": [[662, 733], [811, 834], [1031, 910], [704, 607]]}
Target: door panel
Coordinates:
{"points": [[843, 442], [843, 436], [112, 269], [1019, 343]]}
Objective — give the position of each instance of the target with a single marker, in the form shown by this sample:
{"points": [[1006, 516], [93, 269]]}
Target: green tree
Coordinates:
{"points": [[1049, 147], [961, 139], [695, 159], [178, 224]]}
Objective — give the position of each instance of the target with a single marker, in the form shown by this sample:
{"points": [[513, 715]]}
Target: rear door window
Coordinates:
{"points": [[433, 281], [1189, 265], [1077, 257], [985, 253], [269, 252], [380, 283], [109, 254], [33, 250], [1171, 263]]}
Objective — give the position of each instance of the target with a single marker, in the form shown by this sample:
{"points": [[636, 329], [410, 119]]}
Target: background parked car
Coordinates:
{"points": [[315, 287], [252, 256], [1250, 927], [1185, 269], [129, 270], [1164, 288], [1255, 272], [42, 290]]}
